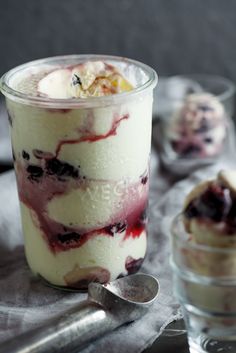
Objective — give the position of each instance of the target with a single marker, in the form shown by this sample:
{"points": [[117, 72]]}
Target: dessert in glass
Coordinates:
{"points": [[195, 127], [198, 127], [204, 264], [81, 134]]}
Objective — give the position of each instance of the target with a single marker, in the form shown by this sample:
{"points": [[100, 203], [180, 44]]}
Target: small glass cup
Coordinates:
{"points": [[189, 136], [82, 173], [205, 285]]}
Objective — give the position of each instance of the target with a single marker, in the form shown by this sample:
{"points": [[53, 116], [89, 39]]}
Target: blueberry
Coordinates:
{"points": [[116, 228], [76, 80], [25, 155], [34, 171], [68, 238]]}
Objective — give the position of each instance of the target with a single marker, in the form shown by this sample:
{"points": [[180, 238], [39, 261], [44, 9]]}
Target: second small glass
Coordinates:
{"points": [[205, 286], [195, 127]]}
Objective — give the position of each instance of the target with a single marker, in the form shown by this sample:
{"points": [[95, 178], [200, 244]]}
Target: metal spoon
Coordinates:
{"points": [[107, 307]]}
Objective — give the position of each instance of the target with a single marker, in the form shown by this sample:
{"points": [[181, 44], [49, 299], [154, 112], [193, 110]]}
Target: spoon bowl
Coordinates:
{"points": [[128, 298], [138, 289], [108, 307]]}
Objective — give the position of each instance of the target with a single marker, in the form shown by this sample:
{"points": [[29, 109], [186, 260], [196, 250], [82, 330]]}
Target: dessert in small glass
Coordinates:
{"points": [[204, 264], [81, 134], [198, 128], [195, 127]]}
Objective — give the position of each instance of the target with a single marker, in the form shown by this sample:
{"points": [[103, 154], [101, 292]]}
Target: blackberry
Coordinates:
{"points": [[35, 172], [62, 169]]}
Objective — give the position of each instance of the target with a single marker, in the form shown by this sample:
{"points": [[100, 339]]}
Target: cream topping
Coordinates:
{"points": [[90, 79]]}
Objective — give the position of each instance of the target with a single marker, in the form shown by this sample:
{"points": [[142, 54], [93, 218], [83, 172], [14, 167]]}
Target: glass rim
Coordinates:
{"points": [[229, 92], [175, 231], [24, 98]]}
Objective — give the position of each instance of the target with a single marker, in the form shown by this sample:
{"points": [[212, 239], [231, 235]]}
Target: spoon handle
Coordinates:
{"points": [[66, 333]]}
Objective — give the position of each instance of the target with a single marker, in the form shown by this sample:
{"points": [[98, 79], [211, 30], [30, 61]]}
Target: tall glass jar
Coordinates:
{"points": [[82, 173]]}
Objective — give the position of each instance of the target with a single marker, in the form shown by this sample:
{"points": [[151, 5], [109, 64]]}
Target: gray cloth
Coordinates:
{"points": [[26, 303]]}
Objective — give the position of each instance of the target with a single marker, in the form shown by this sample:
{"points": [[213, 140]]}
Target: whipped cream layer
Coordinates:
{"points": [[82, 178], [198, 128]]}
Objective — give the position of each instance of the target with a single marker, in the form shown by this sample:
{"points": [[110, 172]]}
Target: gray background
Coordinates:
{"points": [[173, 36]]}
